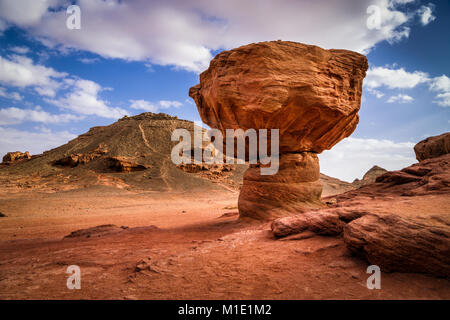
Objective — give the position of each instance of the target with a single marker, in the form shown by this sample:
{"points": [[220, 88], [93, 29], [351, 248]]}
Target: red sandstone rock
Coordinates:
{"points": [[433, 147], [312, 95], [406, 244], [293, 189]]}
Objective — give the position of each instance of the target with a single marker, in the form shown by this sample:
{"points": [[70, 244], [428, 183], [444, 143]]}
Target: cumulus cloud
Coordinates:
{"points": [[426, 14], [442, 85], [376, 93], [21, 72], [364, 154], [400, 98], [10, 116], [391, 78], [25, 12], [185, 33], [394, 78], [10, 95], [35, 142], [154, 107], [83, 98]]}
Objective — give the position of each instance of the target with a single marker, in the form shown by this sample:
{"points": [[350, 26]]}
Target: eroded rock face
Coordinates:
{"points": [[433, 147], [76, 159], [12, 157], [310, 94], [126, 164]]}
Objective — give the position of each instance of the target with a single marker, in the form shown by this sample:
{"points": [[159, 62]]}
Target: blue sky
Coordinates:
{"points": [[135, 56]]}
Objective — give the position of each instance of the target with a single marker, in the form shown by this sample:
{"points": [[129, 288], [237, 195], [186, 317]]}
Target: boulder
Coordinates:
{"points": [[433, 147], [310, 94], [401, 243]]}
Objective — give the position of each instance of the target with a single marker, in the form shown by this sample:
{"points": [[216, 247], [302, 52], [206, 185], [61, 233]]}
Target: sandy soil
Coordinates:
{"points": [[199, 250]]}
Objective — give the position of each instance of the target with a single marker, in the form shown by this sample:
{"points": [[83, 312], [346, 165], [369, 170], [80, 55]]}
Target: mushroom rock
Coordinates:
{"points": [[310, 94]]}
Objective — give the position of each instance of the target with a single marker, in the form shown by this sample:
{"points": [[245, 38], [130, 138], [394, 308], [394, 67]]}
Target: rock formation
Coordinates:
{"points": [[406, 244], [433, 147], [310, 94], [405, 241], [370, 176], [13, 157]]}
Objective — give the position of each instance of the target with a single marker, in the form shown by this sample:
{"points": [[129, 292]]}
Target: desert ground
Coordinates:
{"points": [[183, 246]]}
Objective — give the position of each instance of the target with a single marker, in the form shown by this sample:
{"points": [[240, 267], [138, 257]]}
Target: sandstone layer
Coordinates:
{"points": [[310, 94], [294, 188]]}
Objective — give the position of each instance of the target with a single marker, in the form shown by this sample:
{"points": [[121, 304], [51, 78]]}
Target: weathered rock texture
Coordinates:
{"points": [[12, 157], [404, 244], [294, 188], [433, 147], [310, 94]]}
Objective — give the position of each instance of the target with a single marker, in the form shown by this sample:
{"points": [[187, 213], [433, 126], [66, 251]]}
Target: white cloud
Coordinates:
{"points": [[376, 93], [443, 99], [143, 105], [10, 95], [154, 107], [34, 142], [19, 50], [426, 14], [83, 98], [442, 85], [400, 98], [394, 78], [88, 60], [363, 154], [184, 33], [25, 12], [21, 72], [9, 116], [165, 104]]}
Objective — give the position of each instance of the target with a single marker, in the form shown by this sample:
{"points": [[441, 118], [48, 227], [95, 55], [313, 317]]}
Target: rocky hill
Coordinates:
{"points": [[369, 177], [132, 153]]}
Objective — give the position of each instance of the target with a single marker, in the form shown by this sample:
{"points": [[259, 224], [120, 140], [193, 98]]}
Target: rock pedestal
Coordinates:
{"points": [[293, 189], [310, 94]]}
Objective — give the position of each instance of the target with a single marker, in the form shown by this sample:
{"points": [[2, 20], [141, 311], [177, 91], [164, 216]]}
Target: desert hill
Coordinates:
{"points": [[132, 153], [369, 177]]}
